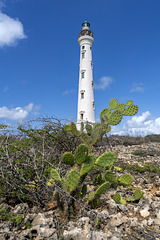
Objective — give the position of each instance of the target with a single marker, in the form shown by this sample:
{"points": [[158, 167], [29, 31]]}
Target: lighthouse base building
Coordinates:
{"points": [[86, 104]]}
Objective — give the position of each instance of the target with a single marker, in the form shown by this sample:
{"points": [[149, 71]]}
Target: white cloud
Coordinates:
{"points": [[11, 30], [137, 87], [104, 82], [68, 92], [17, 113], [139, 126]]}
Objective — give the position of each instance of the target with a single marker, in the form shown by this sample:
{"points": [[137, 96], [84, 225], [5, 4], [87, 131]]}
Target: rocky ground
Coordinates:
{"points": [[111, 221]]}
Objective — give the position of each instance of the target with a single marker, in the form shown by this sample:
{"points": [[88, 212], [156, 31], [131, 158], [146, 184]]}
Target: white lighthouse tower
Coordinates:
{"points": [[86, 104]]}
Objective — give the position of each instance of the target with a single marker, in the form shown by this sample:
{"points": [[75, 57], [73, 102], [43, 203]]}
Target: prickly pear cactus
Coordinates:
{"points": [[115, 117], [91, 196], [82, 126], [87, 165], [103, 188], [106, 128], [109, 176], [129, 103], [138, 194], [89, 128], [131, 110], [83, 191], [67, 127], [55, 175], [68, 158], [81, 154], [72, 179], [126, 179], [96, 125], [120, 107], [113, 103], [106, 159], [105, 114], [117, 198], [74, 130]]}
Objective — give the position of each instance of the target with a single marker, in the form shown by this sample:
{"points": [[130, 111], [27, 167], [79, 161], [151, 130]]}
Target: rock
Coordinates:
{"points": [[144, 212], [21, 208], [39, 220], [75, 234]]}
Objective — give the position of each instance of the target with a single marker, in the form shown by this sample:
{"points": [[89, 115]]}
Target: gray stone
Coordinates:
{"points": [[39, 220]]}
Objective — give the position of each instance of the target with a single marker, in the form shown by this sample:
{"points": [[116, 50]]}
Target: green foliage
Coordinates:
{"points": [[113, 104], [68, 158], [131, 110], [72, 179], [109, 176], [74, 130], [81, 154], [87, 165], [103, 188], [55, 175], [115, 117], [129, 103], [83, 191], [138, 194], [126, 179], [119, 199], [106, 159], [89, 128]]}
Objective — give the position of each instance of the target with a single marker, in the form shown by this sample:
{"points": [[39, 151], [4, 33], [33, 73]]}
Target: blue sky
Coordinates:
{"points": [[39, 59]]}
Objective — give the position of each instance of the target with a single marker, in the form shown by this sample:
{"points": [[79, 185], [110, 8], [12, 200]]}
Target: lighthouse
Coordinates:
{"points": [[86, 104]]}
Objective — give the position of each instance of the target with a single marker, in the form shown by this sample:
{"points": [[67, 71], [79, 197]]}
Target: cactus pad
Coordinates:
{"points": [[96, 125], [138, 194], [106, 159], [91, 196], [106, 128], [68, 158], [82, 126], [126, 179], [74, 130], [113, 103], [72, 179], [117, 198], [131, 110], [67, 127], [55, 175], [83, 191], [81, 154], [95, 203], [129, 103], [87, 165], [109, 176], [64, 184], [89, 128], [105, 114], [115, 117], [120, 107], [103, 188]]}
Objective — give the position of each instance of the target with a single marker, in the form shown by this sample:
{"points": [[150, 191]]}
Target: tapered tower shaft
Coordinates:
{"points": [[86, 104]]}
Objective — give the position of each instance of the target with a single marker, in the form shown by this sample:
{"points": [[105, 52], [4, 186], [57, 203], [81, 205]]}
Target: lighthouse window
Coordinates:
{"points": [[81, 116], [82, 75], [83, 54], [82, 95], [83, 47]]}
